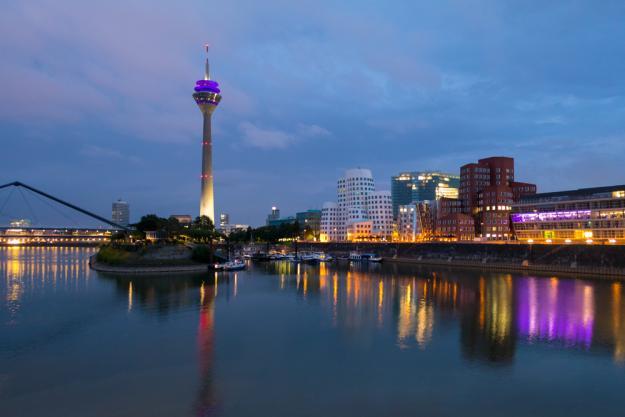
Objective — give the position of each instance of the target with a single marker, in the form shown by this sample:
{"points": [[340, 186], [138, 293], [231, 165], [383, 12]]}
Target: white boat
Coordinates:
{"points": [[236, 265], [323, 257], [364, 257]]}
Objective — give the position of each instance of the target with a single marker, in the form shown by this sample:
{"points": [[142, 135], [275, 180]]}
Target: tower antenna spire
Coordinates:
{"points": [[207, 73]]}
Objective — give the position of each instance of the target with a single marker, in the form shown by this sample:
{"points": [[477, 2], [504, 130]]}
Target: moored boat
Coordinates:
{"points": [[235, 265], [364, 257]]}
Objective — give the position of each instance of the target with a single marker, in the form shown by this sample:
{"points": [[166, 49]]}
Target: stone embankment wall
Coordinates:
{"points": [[606, 260]]}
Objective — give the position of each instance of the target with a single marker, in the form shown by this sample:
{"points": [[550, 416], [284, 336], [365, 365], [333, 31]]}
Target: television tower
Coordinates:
{"points": [[207, 98]]}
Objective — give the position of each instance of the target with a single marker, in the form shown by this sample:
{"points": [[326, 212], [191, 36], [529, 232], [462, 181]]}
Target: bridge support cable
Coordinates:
{"points": [[64, 203], [30, 208], [56, 209], [6, 200]]}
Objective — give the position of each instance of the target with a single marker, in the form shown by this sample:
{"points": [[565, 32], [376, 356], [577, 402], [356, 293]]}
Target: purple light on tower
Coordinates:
{"points": [[207, 96]]}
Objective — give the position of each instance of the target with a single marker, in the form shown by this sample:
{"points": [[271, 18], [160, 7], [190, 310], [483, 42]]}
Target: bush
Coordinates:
{"points": [[112, 256], [201, 253]]}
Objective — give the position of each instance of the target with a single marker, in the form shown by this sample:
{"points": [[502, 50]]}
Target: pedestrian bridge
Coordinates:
{"points": [[21, 224]]}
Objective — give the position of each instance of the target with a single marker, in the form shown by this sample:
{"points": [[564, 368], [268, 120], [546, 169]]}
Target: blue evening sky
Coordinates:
{"points": [[96, 96]]}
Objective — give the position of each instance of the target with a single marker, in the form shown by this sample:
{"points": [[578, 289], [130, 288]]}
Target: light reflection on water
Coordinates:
{"points": [[494, 315]]}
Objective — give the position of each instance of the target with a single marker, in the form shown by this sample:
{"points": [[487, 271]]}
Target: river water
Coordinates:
{"points": [[285, 340]]}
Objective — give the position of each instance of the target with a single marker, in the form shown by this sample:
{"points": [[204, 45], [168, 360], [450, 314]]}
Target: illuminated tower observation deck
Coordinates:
{"points": [[207, 98]]}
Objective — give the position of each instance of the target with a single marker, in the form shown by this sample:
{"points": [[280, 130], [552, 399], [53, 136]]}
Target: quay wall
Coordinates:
{"points": [[598, 260]]}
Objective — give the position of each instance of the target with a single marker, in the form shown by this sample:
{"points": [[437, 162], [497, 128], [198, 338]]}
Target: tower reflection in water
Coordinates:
{"points": [[162, 295], [494, 314]]}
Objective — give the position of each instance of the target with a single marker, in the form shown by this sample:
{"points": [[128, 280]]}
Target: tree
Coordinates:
{"points": [[173, 227], [150, 222], [203, 230]]}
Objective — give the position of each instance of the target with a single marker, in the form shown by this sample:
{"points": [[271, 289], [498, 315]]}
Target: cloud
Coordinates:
{"points": [[313, 131], [265, 138], [453, 81], [258, 137], [551, 120], [93, 151]]}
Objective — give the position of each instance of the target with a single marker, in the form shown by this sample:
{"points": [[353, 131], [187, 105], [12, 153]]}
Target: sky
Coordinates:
{"points": [[96, 96]]}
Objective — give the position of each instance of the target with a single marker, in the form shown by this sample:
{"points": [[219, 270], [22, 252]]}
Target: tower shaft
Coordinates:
{"points": [[207, 200], [207, 98]]}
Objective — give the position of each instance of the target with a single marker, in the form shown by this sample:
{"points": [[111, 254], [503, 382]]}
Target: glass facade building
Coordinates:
{"points": [[409, 187], [310, 219]]}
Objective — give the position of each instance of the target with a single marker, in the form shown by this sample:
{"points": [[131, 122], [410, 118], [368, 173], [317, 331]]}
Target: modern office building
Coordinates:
{"points": [[455, 227], [409, 187], [446, 206], [588, 215], [310, 220], [207, 96], [362, 213], [415, 222], [331, 229], [224, 219], [273, 216], [380, 212], [120, 213], [475, 177], [228, 228], [281, 221], [487, 191]]}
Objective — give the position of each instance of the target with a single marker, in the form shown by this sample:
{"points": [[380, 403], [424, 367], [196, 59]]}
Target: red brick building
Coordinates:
{"points": [[446, 206], [521, 189], [456, 227], [487, 191]]}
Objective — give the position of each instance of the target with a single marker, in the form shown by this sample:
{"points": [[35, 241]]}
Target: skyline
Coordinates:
{"points": [[113, 109]]}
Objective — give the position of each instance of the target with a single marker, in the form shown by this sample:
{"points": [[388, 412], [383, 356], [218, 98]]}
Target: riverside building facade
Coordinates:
{"points": [[409, 187], [361, 213], [415, 222], [588, 215], [487, 192]]}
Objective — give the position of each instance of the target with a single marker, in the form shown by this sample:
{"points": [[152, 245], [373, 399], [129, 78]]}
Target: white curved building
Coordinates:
{"points": [[361, 212], [331, 222]]}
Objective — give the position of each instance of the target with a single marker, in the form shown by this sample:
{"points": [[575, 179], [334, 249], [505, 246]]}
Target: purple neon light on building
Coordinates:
{"points": [[551, 216]]}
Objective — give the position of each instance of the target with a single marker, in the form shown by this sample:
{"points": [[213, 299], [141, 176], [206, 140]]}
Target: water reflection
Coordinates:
{"points": [[163, 295], [206, 402], [495, 312], [556, 310], [402, 315], [36, 271]]}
